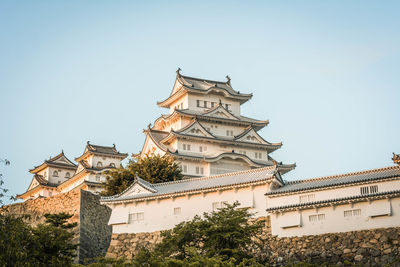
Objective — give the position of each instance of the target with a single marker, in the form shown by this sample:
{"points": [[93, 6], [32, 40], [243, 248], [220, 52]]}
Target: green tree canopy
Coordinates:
{"points": [[153, 168], [226, 234], [48, 244]]}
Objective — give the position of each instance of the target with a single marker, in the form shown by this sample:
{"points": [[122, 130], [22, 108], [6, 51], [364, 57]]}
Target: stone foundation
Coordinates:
{"points": [[92, 233], [375, 247]]}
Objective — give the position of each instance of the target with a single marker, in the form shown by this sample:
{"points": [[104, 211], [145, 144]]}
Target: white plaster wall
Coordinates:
{"points": [[345, 191], [215, 149], [335, 221], [61, 175], [159, 215], [221, 129], [192, 102], [106, 161], [177, 104]]}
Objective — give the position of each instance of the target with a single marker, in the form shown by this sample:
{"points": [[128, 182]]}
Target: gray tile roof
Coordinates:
{"points": [[198, 184], [203, 84], [111, 150], [337, 180], [201, 114]]}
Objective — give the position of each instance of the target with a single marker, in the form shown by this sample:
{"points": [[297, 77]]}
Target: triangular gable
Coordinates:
{"points": [[63, 160], [152, 146], [220, 112], [178, 85], [34, 183], [195, 129], [139, 187], [136, 190], [251, 136]]}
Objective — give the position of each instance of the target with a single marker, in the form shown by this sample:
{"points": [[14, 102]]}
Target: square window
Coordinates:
{"points": [[215, 205], [132, 217], [188, 147], [177, 211], [373, 189]]}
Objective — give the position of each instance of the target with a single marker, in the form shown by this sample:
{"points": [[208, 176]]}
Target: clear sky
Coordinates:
{"points": [[325, 73]]}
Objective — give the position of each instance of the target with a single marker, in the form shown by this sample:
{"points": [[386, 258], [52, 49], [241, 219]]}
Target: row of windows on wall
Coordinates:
{"points": [[307, 198], [100, 164], [346, 214], [187, 147], [179, 106], [211, 104], [199, 170], [55, 174], [139, 216], [365, 190]]}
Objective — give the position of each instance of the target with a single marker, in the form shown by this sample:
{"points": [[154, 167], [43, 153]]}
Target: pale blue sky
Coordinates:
{"points": [[325, 73]]}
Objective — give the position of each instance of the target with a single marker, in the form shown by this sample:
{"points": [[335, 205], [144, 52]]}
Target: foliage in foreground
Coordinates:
{"points": [[220, 238], [48, 244], [153, 168]]}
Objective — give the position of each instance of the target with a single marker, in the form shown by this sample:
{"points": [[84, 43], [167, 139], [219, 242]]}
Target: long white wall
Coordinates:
{"points": [[328, 194], [340, 218], [161, 215]]}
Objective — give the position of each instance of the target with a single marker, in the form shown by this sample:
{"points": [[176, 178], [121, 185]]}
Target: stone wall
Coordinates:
{"points": [[370, 247], [95, 233], [92, 233]]}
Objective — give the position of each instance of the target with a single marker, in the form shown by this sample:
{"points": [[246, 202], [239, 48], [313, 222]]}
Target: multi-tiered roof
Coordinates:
{"points": [[207, 113]]}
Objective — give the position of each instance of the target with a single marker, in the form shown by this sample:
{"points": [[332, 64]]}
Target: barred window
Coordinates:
{"points": [[307, 198], [365, 190], [316, 217], [352, 213], [177, 211], [136, 217]]}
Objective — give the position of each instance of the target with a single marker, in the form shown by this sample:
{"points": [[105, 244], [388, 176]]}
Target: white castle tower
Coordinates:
{"points": [[205, 131]]}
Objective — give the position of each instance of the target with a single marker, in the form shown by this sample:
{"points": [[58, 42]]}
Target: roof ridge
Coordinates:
{"points": [[215, 176], [201, 79], [341, 175]]}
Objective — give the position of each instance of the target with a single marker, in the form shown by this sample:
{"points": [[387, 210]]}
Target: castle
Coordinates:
{"points": [[59, 174], [205, 131], [224, 160]]}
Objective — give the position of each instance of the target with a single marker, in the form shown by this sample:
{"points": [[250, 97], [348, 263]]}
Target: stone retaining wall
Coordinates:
{"points": [[375, 247], [92, 233], [369, 247]]}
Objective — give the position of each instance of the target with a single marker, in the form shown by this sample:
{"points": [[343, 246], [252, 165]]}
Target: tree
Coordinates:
{"points": [[53, 242], [152, 168], [15, 240], [226, 234], [4, 191], [223, 238], [48, 244]]}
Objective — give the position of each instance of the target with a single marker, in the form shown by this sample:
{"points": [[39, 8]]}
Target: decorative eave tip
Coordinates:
{"points": [[228, 79], [178, 72], [396, 158]]}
